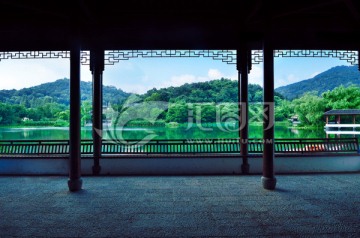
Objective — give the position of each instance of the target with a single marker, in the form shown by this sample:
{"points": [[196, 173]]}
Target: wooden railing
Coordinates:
{"points": [[34, 147], [190, 146]]}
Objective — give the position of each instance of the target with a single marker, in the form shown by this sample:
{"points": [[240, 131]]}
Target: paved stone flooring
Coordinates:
{"points": [[175, 206]]}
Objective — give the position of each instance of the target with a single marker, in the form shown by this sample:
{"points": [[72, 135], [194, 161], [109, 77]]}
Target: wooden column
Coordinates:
{"points": [[353, 121], [268, 178], [242, 67], [97, 68], [338, 120], [75, 182]]}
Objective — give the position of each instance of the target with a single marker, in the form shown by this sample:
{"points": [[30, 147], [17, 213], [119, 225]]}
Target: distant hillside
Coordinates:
{"points": [[58, 92], [48, 104], [219, 90], [328, 80]]}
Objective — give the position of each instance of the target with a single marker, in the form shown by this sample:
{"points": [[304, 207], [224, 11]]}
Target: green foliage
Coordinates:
{"points": [[11, 114], [61, 123], [283, 109], [310, 109], [58, 92], [205, 113], [202, 113], [256, 112], [217, 91], [343, 98], [50, 102], [205, 103], [86, 108], [209, 101], [38, 123], [63, 115], [177, 112], [144, 123]]}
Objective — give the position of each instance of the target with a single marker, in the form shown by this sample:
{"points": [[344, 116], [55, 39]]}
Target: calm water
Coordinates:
{"points": [[56, 133]]}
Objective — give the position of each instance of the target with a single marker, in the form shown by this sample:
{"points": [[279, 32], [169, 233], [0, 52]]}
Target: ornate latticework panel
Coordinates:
{"points": [[34, 55], [84, 56], [349, 56], [257, 56], [115, 56], [226, 56]]}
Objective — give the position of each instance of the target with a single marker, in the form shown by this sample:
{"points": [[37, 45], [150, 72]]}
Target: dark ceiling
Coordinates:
{"points": [[179, 24]]}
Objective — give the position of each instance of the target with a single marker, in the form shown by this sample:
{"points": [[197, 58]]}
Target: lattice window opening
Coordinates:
{"points": [[84, 55], [115, 56], [349, 56]]}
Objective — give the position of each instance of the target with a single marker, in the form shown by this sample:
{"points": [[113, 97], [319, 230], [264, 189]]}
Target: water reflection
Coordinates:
{"points": [[255, 131], [26, 134]]}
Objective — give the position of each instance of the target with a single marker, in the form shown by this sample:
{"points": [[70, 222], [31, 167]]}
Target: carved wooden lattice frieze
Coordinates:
{"points": [[115, 56], [257, 56], [349, 56], [226, 56], [84, 56]]}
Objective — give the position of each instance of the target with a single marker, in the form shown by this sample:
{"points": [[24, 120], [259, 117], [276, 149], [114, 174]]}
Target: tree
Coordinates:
{"points": [[86, 108], [205, 112], [153, 97], [11, 114], [177, 112], [310, 109], [63, 115], [343, 98], [256, 112], [283, 109]]}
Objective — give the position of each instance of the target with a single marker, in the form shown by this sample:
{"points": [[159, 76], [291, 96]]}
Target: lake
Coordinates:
{"points": [[60, 133]]}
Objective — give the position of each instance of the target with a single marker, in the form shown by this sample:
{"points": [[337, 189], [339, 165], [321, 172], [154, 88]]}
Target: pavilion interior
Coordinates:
{"points": [[97, 25]]}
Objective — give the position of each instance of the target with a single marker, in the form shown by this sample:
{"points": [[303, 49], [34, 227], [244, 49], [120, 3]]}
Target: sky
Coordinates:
{"points": [[138, 75]]}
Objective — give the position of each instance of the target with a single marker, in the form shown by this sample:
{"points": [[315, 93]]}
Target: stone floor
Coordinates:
{"points": [[326, 205]]}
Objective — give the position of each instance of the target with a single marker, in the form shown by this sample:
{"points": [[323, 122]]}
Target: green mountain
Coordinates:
{"points": [[328, 80], [58, 92], [218, 91]]}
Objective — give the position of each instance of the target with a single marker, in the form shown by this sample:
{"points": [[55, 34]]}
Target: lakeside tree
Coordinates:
{"points": [[342, 97], [310, 109]]}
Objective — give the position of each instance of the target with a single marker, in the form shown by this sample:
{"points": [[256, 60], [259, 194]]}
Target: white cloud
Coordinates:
{"points": [[291, 78], [180, 80], [233, 77], [17, 74], [286, 80], [217, 74], [214, 74], [135, 88]]}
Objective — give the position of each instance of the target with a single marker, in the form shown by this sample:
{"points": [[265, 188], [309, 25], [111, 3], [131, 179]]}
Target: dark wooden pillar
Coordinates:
{"points": [[97, 68], [75, 182], [268, 178], [243, 69], [338, 120]]}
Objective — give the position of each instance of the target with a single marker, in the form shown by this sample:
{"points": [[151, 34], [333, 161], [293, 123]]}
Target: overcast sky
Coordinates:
{"points": [[141, 74]]}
